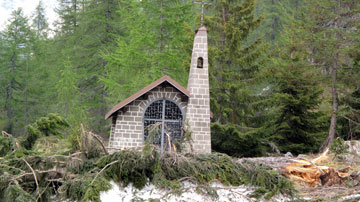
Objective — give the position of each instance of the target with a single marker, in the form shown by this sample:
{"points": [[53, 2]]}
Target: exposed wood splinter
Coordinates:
{"points": [[307, 172]]}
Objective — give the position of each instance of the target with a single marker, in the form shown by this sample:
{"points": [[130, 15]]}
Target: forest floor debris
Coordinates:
{"points": [[311, 173], [39, 174], [29, 175], [304, 170]]}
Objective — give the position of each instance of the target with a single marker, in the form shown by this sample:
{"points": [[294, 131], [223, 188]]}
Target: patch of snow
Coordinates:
{"points": [[225, 193], [355, 196]]}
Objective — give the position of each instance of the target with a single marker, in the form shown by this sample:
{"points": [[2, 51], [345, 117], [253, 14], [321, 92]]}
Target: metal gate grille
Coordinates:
{"points": [[168, 117]]}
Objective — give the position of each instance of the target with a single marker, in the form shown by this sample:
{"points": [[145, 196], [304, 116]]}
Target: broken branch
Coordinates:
{"points": [[33, 172], [107, 165], [99, 139]]}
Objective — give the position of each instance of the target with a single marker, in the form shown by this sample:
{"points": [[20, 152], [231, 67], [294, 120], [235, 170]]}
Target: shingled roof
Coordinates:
{"points": [[145, 90]]}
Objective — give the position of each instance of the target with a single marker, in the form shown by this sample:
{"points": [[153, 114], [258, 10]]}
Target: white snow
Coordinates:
{"points": [[354, 196], [225, 193]]}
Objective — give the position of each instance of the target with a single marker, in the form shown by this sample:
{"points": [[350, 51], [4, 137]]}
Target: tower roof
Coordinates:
{"points": [[202, 28], [145, 90]]}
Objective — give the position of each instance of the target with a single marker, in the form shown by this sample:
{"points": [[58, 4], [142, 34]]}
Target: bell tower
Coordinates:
{"points": [[198, 109]]}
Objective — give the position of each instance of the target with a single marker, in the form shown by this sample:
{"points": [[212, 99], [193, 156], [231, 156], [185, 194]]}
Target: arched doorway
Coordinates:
{"points": [[163, 120]]}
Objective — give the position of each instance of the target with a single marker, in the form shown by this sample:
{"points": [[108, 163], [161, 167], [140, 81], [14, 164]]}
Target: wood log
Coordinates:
{"points": [[307, 172]]}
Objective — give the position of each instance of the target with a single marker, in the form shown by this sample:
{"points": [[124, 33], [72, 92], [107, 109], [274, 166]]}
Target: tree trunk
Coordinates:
{"points": [[223, 24], [161, 27], [26, 106], [272, 35], [332, 130], [107, 27], [9, 113], [75, 13], [296, 9]]}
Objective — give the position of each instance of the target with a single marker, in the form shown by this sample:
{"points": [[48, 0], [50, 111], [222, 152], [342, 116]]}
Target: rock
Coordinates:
{"points": [[302, 156], [353, 147], [352, 153], [349, 159], [289, 155]]}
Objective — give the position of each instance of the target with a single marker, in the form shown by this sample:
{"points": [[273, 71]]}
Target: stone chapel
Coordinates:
{"points": [[168, 103]]}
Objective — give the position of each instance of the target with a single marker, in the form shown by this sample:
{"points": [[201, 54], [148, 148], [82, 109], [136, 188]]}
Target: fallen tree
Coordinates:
{"points": [[27, 175], [307, 172]]}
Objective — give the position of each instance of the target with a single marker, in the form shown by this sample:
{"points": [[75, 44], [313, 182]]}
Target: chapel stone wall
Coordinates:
{"points": [[127, 127]]}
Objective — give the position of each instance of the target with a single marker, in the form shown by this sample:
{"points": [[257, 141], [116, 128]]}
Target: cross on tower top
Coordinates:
{"points": [[202, 2]]}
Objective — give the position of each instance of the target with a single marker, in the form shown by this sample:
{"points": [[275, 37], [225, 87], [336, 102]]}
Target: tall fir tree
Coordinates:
{"points": [[233, 62], [331, 22], [68, 95], [17, 39], [297, 125], [68, 11], [39, 22], [88, 30], [349, 119], [277, 14]]}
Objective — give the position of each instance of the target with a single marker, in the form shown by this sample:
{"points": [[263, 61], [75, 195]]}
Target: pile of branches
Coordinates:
{"points": [[27, 175], [168, 169]]}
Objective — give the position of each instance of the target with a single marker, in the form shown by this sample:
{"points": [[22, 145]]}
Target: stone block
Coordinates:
{"points": [[134, 108]]}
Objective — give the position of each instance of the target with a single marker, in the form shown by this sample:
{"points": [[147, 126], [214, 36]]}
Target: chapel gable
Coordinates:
{"points": [[163, 102]]}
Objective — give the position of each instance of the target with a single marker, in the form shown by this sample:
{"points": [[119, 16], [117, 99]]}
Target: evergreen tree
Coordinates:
{"points": [[152, 45], [15, 70], [277, 14], [331, 25], [349, 120], [88, 30], [39, 21], [42, 65], [68, 95], [297, 126], [68, 12], [233, 62], [3, 81]]}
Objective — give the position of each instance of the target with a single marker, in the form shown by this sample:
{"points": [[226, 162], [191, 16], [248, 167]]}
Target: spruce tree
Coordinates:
{"points": [[68, 95], [297, 126], [233, 62], [68, 12], [332, 25], [87, 30], [277, 14], [349, 120], [15, 70], [39, 22]]}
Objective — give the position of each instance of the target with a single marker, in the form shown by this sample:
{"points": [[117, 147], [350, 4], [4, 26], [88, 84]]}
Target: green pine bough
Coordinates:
{"points": [[42, 175], [85, 181]]}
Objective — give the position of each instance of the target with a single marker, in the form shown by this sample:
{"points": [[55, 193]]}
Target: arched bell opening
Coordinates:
{"points": [[200, 62]]}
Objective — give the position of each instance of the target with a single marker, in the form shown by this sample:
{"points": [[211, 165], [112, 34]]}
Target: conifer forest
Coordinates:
{"points": [[284, 77]]}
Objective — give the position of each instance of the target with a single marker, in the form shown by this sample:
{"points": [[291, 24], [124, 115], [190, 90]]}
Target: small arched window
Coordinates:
{"points": [[200, 62], [163, 120]]}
